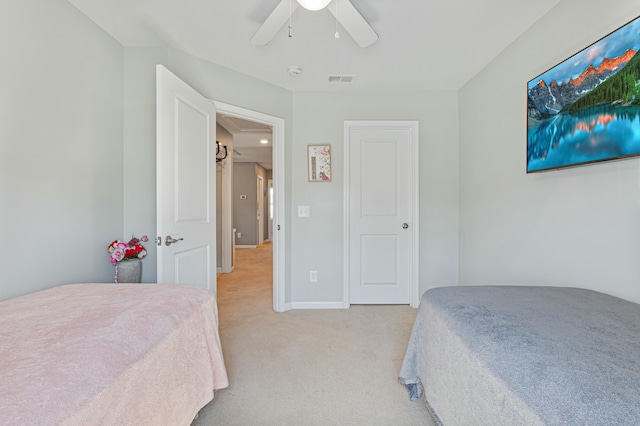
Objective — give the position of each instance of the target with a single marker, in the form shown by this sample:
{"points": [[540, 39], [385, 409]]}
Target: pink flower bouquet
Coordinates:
{"points": [[119, 251]]}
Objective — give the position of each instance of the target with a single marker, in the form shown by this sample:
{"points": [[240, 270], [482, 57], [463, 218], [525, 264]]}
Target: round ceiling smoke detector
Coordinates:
{"points": [[294, 71]]}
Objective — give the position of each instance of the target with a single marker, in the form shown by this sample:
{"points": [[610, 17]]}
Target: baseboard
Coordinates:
{"points": [[318, 305], [241, 247]]}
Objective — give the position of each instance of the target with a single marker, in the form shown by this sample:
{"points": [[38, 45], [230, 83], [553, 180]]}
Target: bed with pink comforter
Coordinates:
{"points": [[127, 354]]}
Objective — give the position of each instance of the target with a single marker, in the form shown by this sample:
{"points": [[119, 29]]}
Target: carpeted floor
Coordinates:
{"points": [[307, 367]]}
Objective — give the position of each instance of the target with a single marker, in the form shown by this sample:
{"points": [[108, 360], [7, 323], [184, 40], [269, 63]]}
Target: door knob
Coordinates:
{"points": [[405, 225], [168, 241]]}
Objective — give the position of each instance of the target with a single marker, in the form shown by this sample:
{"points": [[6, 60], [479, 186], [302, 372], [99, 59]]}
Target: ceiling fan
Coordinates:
{"points": [[343, 10]]}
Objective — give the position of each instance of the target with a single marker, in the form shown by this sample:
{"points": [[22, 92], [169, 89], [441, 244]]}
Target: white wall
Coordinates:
{"points": [[318, 118], [61, 147], [317, 241], [244, 210], [573, 227], [140, 149]]}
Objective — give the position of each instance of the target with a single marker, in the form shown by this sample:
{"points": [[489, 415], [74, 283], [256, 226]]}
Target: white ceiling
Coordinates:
{"points": [[422, 45]]}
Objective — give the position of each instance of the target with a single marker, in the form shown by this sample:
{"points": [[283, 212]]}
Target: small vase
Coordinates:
{"points": [[129, 271]]}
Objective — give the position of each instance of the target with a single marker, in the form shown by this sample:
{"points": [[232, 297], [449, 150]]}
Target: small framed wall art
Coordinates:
{"points": [[319, 163]]}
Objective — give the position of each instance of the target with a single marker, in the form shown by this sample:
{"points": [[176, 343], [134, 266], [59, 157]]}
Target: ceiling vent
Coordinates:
{"points": [[344, 79]]}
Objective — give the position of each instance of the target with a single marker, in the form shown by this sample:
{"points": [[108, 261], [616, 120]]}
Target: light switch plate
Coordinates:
{"points": [[303, 211]]}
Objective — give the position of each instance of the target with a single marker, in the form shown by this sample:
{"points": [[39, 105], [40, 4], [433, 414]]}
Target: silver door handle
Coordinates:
{"points": [[405, 225], [168, 241]]}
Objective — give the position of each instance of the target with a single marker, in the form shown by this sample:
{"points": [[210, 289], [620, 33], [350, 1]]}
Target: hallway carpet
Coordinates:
{"points": [[307, 367]]}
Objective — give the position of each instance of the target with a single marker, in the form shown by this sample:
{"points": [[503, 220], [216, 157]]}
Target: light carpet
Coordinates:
{"points": [[307, 367]]}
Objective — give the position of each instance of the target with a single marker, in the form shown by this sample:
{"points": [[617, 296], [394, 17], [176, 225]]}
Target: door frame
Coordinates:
{"points": [[278, 243], [260, 201], [269, 202], [226, 235], [413, 126]]}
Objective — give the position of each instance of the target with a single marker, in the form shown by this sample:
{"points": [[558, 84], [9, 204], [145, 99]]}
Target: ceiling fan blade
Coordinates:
{"points": [[354, 23], [274, 22]]}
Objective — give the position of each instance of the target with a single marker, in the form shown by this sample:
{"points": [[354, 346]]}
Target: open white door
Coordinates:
{"points": [[186, 174]]}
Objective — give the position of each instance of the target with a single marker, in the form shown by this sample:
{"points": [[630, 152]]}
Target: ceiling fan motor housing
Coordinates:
{"points": [[314, 4], [349, 18]]}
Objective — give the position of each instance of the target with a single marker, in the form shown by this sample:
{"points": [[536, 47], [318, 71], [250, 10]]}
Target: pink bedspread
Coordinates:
{"points": [[126, 354]]}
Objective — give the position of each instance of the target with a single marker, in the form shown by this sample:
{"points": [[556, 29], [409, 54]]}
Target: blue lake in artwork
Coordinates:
{"points": [[593, 134]]}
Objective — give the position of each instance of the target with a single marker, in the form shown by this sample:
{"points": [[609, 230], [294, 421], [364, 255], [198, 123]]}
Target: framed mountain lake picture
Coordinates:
{"points": [[587, 108]]}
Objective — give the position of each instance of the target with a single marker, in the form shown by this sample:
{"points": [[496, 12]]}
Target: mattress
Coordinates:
{"points": [[86, 354], [491, 355]]}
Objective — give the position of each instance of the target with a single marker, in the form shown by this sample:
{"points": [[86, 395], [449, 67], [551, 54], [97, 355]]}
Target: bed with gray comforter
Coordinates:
{"points": [[511, 355]]}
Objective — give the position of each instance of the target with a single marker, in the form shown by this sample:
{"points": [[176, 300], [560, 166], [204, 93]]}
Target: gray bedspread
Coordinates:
{"points": [[525, 355]]}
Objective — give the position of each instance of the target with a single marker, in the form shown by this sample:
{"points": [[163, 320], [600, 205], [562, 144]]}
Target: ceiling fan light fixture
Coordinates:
{"points": [[314, 4]]}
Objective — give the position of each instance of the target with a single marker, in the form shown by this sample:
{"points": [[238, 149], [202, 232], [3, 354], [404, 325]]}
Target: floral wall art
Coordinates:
{"points": [[319, 159]]}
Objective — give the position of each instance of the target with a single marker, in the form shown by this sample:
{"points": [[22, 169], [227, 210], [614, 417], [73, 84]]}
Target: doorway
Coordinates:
{"points": [[381, 212], [278, 166]]}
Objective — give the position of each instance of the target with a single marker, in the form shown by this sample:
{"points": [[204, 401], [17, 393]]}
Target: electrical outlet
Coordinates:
{"points": [[313, 276], [239, 234]]}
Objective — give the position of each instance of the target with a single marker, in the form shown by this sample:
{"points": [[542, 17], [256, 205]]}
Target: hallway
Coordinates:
{"points": [[249, 288]]}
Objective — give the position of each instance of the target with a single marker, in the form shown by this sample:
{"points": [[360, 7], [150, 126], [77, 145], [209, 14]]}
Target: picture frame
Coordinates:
{"points": [[319, 163], [586, 109]]}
